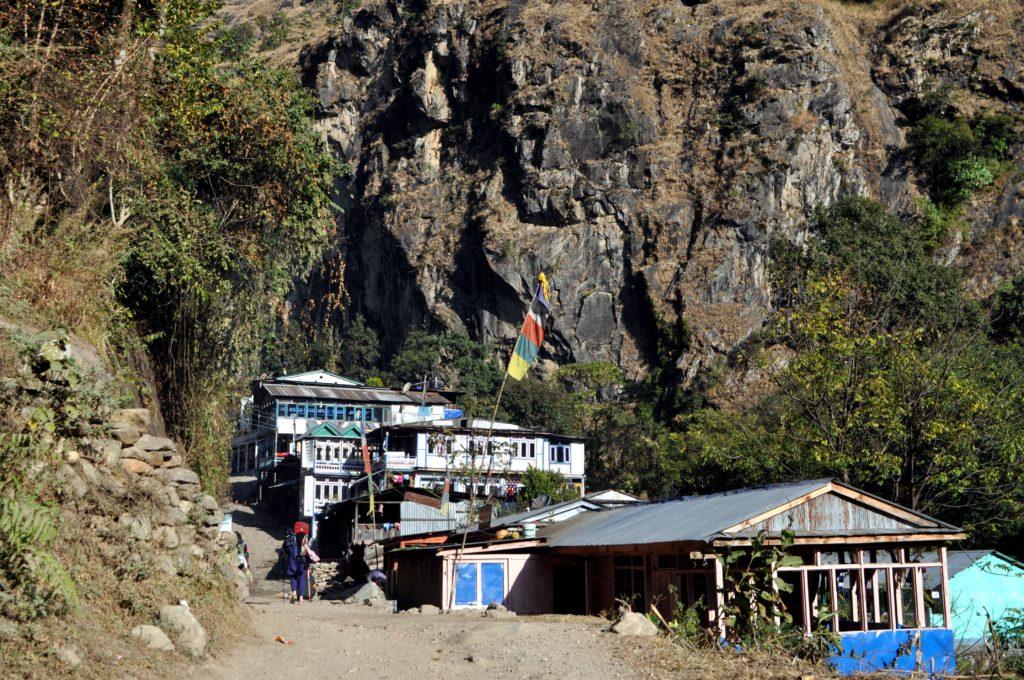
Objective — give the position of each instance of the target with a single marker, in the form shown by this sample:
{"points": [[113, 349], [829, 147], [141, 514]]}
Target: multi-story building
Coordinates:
{"points": [[301, 435], [429, 451], [284, 408]]}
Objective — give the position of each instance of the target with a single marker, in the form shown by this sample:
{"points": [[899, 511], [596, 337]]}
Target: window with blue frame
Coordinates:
{"points": [[321, 411], [349, 413], [293, 410], [359, 413], [280, 409], [330, 413], [302, 411]]}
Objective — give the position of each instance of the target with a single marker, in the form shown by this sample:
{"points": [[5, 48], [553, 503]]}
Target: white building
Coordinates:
{"points": [[430, 451], [283, 409]]}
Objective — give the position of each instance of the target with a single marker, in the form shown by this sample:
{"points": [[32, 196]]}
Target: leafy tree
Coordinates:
{"points": [[887, 262], [538, 403], [1007, 316], [462, 363], [537, 482], [360, 350]]}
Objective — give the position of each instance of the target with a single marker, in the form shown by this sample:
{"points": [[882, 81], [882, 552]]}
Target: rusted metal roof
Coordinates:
{"points": [[353, 394], [702, 519]]}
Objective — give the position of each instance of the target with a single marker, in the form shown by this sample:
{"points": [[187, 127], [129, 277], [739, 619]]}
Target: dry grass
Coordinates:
{"points": [[118, 588]]}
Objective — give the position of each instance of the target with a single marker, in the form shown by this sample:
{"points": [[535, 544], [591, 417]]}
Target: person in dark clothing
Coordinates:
{"points": [[298, 566]]}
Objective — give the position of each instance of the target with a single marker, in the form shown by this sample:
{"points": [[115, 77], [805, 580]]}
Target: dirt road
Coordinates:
{"points": [[335, 640]]}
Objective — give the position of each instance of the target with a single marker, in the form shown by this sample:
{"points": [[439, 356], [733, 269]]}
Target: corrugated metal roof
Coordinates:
{"points": [[353, 394], [555, 508], [695, 518]]}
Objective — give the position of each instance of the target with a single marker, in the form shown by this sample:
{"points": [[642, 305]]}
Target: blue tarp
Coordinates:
{"points": [[930, 651]]}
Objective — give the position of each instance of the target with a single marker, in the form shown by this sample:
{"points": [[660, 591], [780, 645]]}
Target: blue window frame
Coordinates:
{"points": [[293, 410], [330, 413], [479, 584], [280, 409], [350, 413], [321, 411], [465, 585], [302, 410]]}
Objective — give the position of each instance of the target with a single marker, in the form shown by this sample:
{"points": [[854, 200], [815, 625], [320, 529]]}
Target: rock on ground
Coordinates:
{"points": [[183, 626], [153, 637], [634, 623]]}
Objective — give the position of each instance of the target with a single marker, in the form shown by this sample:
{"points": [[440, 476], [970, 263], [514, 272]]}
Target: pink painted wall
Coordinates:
{"points": [[528, 581]]}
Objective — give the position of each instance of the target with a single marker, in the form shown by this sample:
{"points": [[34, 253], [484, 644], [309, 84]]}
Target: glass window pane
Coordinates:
{"points": [[876, 582], [280, 409], [292, 410], [934, 610], [819, 593], [903, 584], [301, 411], [330, 413]]}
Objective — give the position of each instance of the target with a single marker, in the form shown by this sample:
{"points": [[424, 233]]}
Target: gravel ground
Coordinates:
{"points": [[335, 640]]}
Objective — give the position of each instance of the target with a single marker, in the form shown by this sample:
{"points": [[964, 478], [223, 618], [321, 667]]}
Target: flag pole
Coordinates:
{"points": [[490, 462], [497, 401]]}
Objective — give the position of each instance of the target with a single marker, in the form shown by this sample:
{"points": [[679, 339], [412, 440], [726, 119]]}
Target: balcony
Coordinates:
{"points": [[399, 460]]}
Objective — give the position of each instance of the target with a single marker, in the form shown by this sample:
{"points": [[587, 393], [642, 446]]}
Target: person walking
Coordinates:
{"points": [[298, 562]]}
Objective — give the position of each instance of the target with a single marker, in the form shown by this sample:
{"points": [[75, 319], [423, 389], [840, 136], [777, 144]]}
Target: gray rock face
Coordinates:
{"points": [[645, 159], [634, 623], [183, 627], [153, 638]]}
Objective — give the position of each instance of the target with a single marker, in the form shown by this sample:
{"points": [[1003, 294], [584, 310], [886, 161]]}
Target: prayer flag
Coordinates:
{"points": [[367, 466], [446, 496], [532, 335]]}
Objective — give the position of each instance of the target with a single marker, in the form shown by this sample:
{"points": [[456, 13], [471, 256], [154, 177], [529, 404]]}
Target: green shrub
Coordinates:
{"points": [[960, 156]]}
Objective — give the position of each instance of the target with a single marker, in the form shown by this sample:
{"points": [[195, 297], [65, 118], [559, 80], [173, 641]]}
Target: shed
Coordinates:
{"points": [[865, 563]]}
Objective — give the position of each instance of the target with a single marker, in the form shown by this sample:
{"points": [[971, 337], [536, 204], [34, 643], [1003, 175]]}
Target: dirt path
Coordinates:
{"points": [[334, 640], [330, 639]]}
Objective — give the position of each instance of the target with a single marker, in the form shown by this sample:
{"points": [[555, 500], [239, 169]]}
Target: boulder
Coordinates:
{"points": [[499, 614], [89, 473], [172, 461], [207, 502], [368, 593], [74, 484], [153, 637], [497, 606], [108, 451], [148, 442], [165, 564], [124, 433], [138, 525], [69, 655], [429, 610], [213, 519], [172, 517], [135, 466], [185, 506], [634, 623], [179, 476], [180, 624], [166, 537], [152, 458], [139, 418]]}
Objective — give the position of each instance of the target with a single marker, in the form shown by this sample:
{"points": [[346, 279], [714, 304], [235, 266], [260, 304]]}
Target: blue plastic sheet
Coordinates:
{"points": [[465, 585], [930, 651]]}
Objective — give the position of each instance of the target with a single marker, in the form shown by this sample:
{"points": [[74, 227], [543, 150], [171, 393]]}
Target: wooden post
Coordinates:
{"points": [[805, 600], [946, 616], [719, 597], [918, 596]]}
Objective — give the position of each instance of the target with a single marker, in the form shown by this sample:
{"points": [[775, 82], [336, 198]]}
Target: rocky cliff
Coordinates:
{"points": [[643, 154]]}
